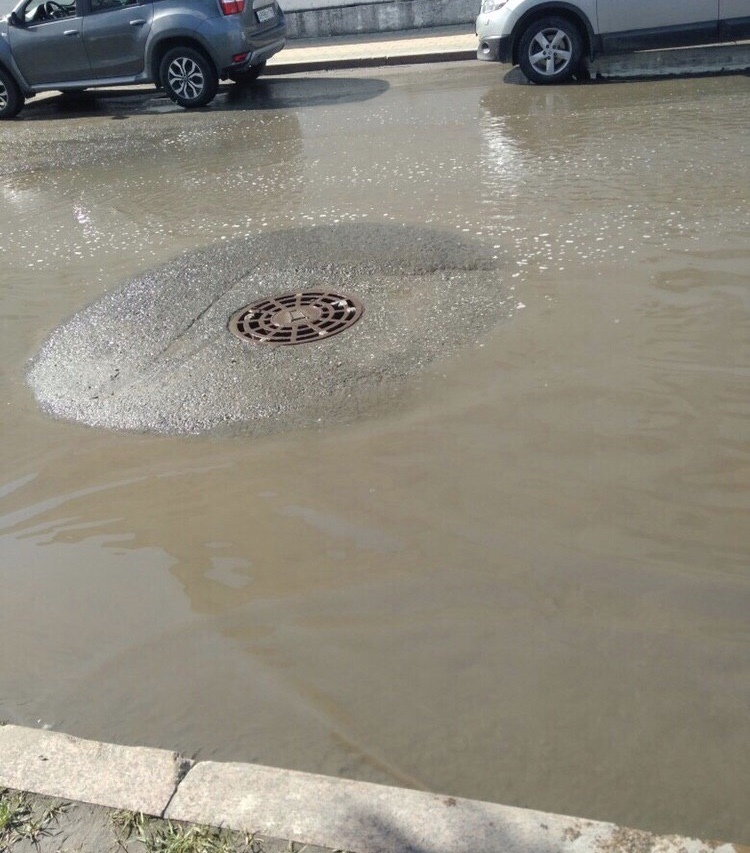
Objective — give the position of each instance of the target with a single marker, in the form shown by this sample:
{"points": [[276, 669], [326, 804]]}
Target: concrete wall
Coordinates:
{"points": [[320, 18]]}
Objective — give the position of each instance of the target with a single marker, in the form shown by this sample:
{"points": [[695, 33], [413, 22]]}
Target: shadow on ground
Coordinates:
{"points": [[263, 94]]}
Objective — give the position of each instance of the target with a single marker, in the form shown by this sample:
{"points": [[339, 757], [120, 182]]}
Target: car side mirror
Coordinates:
{"points": [[15, 19]]}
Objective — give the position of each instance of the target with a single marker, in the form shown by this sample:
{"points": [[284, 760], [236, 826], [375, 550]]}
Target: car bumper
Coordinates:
{"points": [[228, 41], [255, 57], [495, 49], [264, 53]]}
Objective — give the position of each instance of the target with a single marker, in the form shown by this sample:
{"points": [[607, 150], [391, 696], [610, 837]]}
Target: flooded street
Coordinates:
{"points": [[523, 576]]}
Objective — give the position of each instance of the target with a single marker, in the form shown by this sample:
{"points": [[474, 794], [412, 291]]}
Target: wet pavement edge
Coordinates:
{"points": [[325, 812]]}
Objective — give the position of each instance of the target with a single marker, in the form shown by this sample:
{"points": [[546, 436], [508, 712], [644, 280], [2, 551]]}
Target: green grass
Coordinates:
{"points": [[14, 811], [166, 836], [19, 820], [158, 836], [24, 817]]}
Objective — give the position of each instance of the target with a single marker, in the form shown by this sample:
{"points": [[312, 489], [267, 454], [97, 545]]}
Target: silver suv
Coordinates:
{"points": [[184, 46], [549, 39]]}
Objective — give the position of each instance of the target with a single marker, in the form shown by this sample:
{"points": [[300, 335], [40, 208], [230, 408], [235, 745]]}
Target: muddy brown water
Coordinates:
{"points": [[525, 582]]}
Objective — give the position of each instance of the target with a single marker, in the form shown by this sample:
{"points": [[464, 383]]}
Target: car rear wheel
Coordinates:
{"points": [[550, 50], [11, 99], [188, 77], [249, 74]]}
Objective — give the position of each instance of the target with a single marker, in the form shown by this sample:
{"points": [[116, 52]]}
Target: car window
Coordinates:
{"points": [[109, 5], [36, 11]]}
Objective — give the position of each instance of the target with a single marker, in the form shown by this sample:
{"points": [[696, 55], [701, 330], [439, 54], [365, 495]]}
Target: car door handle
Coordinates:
{"points": [[70, 32], [138, 22]]}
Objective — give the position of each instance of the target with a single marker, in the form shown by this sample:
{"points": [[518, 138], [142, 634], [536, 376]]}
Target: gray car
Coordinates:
{"points": [[184, 46], [549, 39]]}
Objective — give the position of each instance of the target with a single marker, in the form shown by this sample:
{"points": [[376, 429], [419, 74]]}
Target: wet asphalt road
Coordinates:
{"points": [[492, 540]]}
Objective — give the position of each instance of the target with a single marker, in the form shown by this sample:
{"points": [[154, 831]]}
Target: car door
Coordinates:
{"points": [[644, 24], [734, 19], [49, 51], [115, 34]]}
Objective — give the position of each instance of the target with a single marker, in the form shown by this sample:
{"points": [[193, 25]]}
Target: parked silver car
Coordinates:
{"points": [[185, 46], [549, 39]]}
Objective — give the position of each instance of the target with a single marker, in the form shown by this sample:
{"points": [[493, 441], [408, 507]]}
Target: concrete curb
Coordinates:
{"points": [[335, 64], [711, 59], [302, 807], [441, 44], [58, 765]]}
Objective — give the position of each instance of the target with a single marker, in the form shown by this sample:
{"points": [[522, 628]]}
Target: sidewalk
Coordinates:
{"points": [[90, 797], [449, 44], [444, 44]]}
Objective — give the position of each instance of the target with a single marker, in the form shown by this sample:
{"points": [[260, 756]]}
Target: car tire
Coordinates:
{"points": [[248, 75], [188, 77], [11, 99], [550, 50]]}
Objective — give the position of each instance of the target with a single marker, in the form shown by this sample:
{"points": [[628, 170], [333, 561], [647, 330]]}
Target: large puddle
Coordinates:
{"points": [[525, 579]]}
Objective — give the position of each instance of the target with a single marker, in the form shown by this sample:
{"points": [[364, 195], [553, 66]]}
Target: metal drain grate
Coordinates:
{"points": [[296, 318]]}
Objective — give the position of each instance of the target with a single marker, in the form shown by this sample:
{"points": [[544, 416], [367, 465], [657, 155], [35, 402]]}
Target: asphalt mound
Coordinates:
{"points": [[156, 355]]}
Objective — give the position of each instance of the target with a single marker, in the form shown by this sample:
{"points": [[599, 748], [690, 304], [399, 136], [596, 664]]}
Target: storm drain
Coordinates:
{"points": [[296, 318]]}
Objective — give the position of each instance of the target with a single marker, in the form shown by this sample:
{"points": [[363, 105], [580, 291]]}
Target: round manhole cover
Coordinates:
{"points": [[296, 318]]}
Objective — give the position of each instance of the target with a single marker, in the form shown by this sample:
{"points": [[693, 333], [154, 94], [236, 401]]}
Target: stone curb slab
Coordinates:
{"points": [[139, 779], [412, 47], [368, 818], [295, 67], [326, 812]]}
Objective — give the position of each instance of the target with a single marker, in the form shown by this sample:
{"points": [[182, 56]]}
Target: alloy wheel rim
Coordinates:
{"points": [[3, 95], [186, 78], [550, 51]]}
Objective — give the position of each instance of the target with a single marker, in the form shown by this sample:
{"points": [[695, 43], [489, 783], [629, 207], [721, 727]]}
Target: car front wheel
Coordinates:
{"points": [[11, 99], [188, 77], [550, 50]]}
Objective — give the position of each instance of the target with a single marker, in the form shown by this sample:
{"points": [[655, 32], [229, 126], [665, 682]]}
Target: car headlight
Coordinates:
{"points": [[491, 5]]}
